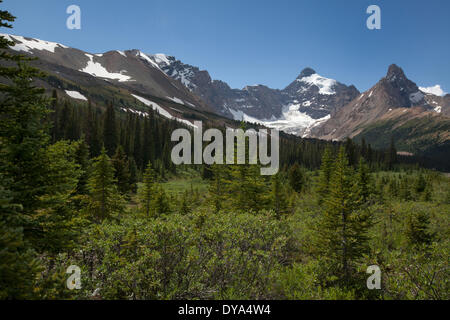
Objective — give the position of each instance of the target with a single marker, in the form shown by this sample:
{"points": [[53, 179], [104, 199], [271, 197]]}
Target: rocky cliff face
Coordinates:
{"points": [[392, 93], [307, 101]]}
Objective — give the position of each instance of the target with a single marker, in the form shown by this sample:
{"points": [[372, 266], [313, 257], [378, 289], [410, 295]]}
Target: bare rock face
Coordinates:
{"points": [[393, 92], [311, 95]]}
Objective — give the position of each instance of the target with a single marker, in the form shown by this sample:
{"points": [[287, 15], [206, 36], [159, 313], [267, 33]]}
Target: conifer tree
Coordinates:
{"points": [[18, 262], [105, 199], [420, 184], [247, 186], [325, 175], [218, 186], [417, 230], [137, 144], [342, 231], [351, 152], [133, 170], [23, 135], [296, 178], [147, 192], [391, 155], [184, 207], [110, 133], [83, 160], [93, 131], [122, 174], [278, 196], [363, 182], [160, 203]]}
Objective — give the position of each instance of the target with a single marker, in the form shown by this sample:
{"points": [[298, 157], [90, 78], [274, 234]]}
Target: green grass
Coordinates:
{"points": [[188, 179]]}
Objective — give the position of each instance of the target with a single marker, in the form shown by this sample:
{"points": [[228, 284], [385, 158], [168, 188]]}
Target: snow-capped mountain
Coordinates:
{"points": [[393, 93], [305, 103], [394, 108], [121, 75]]}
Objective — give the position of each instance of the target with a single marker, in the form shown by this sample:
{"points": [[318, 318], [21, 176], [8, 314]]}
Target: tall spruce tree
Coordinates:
{"points": [[218, 186], [105, 199], [278, 196], [147, 192], [82, 158], [133, 170], [110, 133], [296, 178], [341, 237], [417, 229], [326, 171], [364, 182], [121, 173]]}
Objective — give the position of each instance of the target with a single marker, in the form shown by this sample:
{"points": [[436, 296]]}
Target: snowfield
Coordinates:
{"points": [[97, 70], [325, 85], [176, 100], [161, 58], [292, 121], [145, 57], [184, 76], [32, 44], [76, 95], [162, 111]]}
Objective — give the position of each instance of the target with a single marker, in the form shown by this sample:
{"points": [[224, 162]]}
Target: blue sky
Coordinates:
{"points": [[247, 42]]}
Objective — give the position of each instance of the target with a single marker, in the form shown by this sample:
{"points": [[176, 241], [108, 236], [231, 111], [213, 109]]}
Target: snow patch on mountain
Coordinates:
{"points": [[161, 59], [184, 77], [162, 111], [32, 44], [145, 57], [436, 90], [325, 85], [176, 100], [121, 53], [292, 121], [239, 115], [76, 95], [97, 70]]}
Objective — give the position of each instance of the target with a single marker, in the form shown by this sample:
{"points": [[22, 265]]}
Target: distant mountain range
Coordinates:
{"points": [[311, 106], [306, 102]]}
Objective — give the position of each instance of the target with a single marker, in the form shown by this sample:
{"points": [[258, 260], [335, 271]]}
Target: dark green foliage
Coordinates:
{"points": [[417, 230], [148, 191], [133, 170], [121, 170], [325, 175], [342, 231], [105, 199], [296, 178], [110, 134], [82, 159], [247, 237], [278, 196]]}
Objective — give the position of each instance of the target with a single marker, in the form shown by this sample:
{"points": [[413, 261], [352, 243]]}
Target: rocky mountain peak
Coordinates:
{"points": [[395, 73], [403, 92], [306, 73]]}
